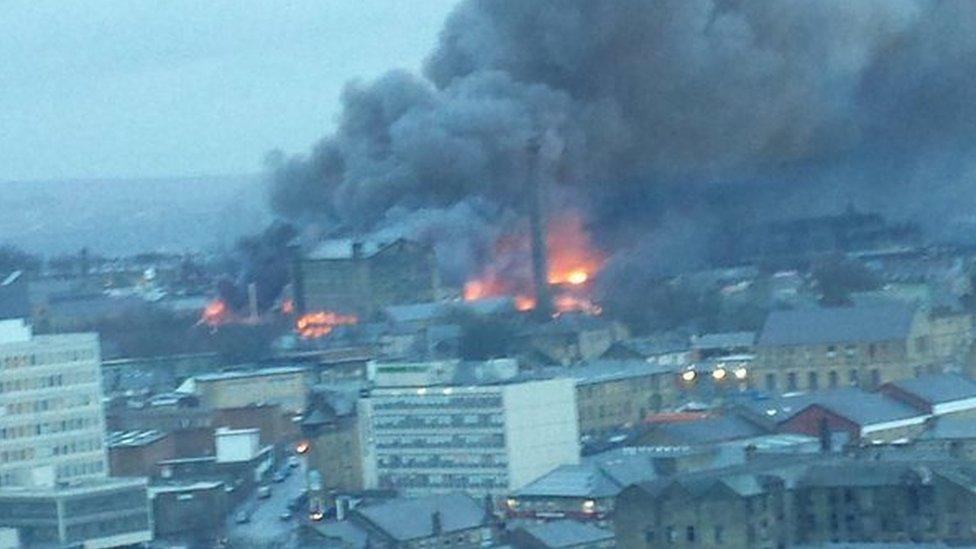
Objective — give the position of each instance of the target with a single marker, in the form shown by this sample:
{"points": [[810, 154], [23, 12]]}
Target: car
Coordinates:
{"points": [[264, 492], [285, 515], [242, 517], [293, 461], [279, 477]]}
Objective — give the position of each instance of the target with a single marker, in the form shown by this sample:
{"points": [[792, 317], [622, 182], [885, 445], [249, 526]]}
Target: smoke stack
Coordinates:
{"points": [[537, 228], [252, 301]]}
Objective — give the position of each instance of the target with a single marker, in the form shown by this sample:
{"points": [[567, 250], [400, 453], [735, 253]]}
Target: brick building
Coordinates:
{"points": [[865, 346], [614, 394], [362, 277]]}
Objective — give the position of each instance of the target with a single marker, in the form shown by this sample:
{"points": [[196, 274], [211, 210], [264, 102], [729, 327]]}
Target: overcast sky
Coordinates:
{"points": [[127, 88]]}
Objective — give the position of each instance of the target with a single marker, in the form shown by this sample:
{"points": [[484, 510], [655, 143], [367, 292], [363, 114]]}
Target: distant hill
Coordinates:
{"points": [[120, 216]]}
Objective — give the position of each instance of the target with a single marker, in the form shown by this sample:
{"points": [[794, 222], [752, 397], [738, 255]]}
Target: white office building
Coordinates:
{"points": [[51, 420], [475, 428]]}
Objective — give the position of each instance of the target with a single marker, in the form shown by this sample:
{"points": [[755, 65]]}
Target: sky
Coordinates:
{"points": [[140, 88]]}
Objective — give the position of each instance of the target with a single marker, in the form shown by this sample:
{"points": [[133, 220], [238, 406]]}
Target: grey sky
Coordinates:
{"points": [[102, 88]]}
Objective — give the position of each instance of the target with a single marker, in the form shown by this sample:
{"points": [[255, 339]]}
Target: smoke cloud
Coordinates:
{"points": [[672, 119]]}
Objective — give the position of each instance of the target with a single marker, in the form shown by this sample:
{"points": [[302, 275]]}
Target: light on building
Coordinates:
{"points": [[448, 390], [589, 506], [689, 375], [740, 373], [719, 374], [512, 503], [422, 391], [302, 447], [316, 515]]}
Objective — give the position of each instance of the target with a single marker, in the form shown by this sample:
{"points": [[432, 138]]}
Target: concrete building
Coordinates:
{"points": [[615, 394], [865, 346], [286, 386], [363, 277], [189, 510], [51, 419], [93, 513], [474, 428]]}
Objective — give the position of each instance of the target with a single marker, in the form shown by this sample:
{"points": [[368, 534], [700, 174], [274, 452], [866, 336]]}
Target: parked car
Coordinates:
{"points": [[264, 492], [286, 515], [242, 517], [279, 477], [293, 461]]}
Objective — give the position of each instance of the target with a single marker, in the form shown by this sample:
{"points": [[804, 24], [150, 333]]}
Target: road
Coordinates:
{"points": [[266, 529]]}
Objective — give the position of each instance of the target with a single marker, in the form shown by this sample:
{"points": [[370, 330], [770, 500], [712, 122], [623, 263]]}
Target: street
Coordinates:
{"points": [[266, 529]]}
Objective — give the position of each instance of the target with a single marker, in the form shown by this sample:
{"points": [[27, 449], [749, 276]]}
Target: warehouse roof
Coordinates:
{"points": [[566, 533], [938, 388], [881, 322], [405, 519]]}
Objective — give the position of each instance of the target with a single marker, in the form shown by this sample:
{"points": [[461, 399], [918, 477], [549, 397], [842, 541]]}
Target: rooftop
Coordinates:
{"points": [[813, 326], [405, 519], [726, 340], [859, 406], [132, 439], [710, 430], [602, 371], [280, 370], [566, 533], [938, 388]]}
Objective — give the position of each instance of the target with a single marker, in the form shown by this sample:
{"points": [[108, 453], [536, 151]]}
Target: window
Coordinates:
{"points": [[832, 379], [770, 382], [812, 381], [791, 381], [852, 378], [671, 534], [648, 536], [875, 377], [719, 535], [690, 534]]}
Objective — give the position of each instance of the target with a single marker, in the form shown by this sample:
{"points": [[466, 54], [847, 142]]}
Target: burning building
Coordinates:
{"points": [[352, 277]]}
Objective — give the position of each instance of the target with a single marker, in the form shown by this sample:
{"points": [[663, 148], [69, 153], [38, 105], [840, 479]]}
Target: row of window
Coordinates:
{"points": [[48, 427], [813, 380], [43, 358], [46, 405], [33, 383]]}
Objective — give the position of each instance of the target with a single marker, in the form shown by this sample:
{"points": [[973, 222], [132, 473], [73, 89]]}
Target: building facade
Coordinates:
{"points": [[51, 419], [620, 394], [286, 386], [862, 346], [481, 439]]}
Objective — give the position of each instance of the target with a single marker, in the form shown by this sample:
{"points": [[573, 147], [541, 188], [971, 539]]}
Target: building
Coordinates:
{"points": [[723, 344], [331, 428], [445, 520], [189, 510], [865, 346], [363, 277], [92, 513], [51, 419], [570, 338], [286, 386], [478, 428], [863, 416], [935, 394], [562, 534], [615, 394], [135, 453]]}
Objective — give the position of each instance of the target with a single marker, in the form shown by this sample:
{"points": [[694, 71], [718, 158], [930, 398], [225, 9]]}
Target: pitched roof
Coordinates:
{"points": [[938, 388], [882, 322], [566, 533], [405, 519], [860, 473], [725, 340], [586, 480], [950, 428], [710, 430], [602, 371], [859, 406]]}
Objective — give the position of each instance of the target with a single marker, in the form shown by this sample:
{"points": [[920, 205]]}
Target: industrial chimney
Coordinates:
{"points": [[537, 228]]}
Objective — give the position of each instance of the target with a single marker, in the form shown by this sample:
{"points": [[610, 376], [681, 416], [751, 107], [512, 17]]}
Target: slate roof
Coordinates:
{"points": [[602, 371], [938, 388], [726, 340], [405, 519], [950, 428], [859, 406], [814, 326], [566, 533], [585, 480], [861, 473], [710, 430]]}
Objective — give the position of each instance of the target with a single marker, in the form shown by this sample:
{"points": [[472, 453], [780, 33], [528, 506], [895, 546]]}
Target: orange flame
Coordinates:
{"points": [[573, 262], [321, 323], [214, 314]]}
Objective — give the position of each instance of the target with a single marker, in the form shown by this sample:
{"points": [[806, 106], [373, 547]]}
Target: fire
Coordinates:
{"points": [[214, 314], [573, 262], [321, 323]]}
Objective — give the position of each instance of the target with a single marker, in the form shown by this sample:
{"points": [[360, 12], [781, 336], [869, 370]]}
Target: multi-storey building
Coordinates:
{"points": [[614, 394], [51, 420], [473, 429], [865, 345]]}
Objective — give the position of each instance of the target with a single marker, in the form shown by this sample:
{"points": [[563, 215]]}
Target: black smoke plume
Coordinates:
{"points": [[673, 122]]}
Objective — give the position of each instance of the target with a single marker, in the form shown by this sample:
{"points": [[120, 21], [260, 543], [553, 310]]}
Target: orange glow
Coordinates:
{"points": [[573, 262], [214, 314], [321, 323]]}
